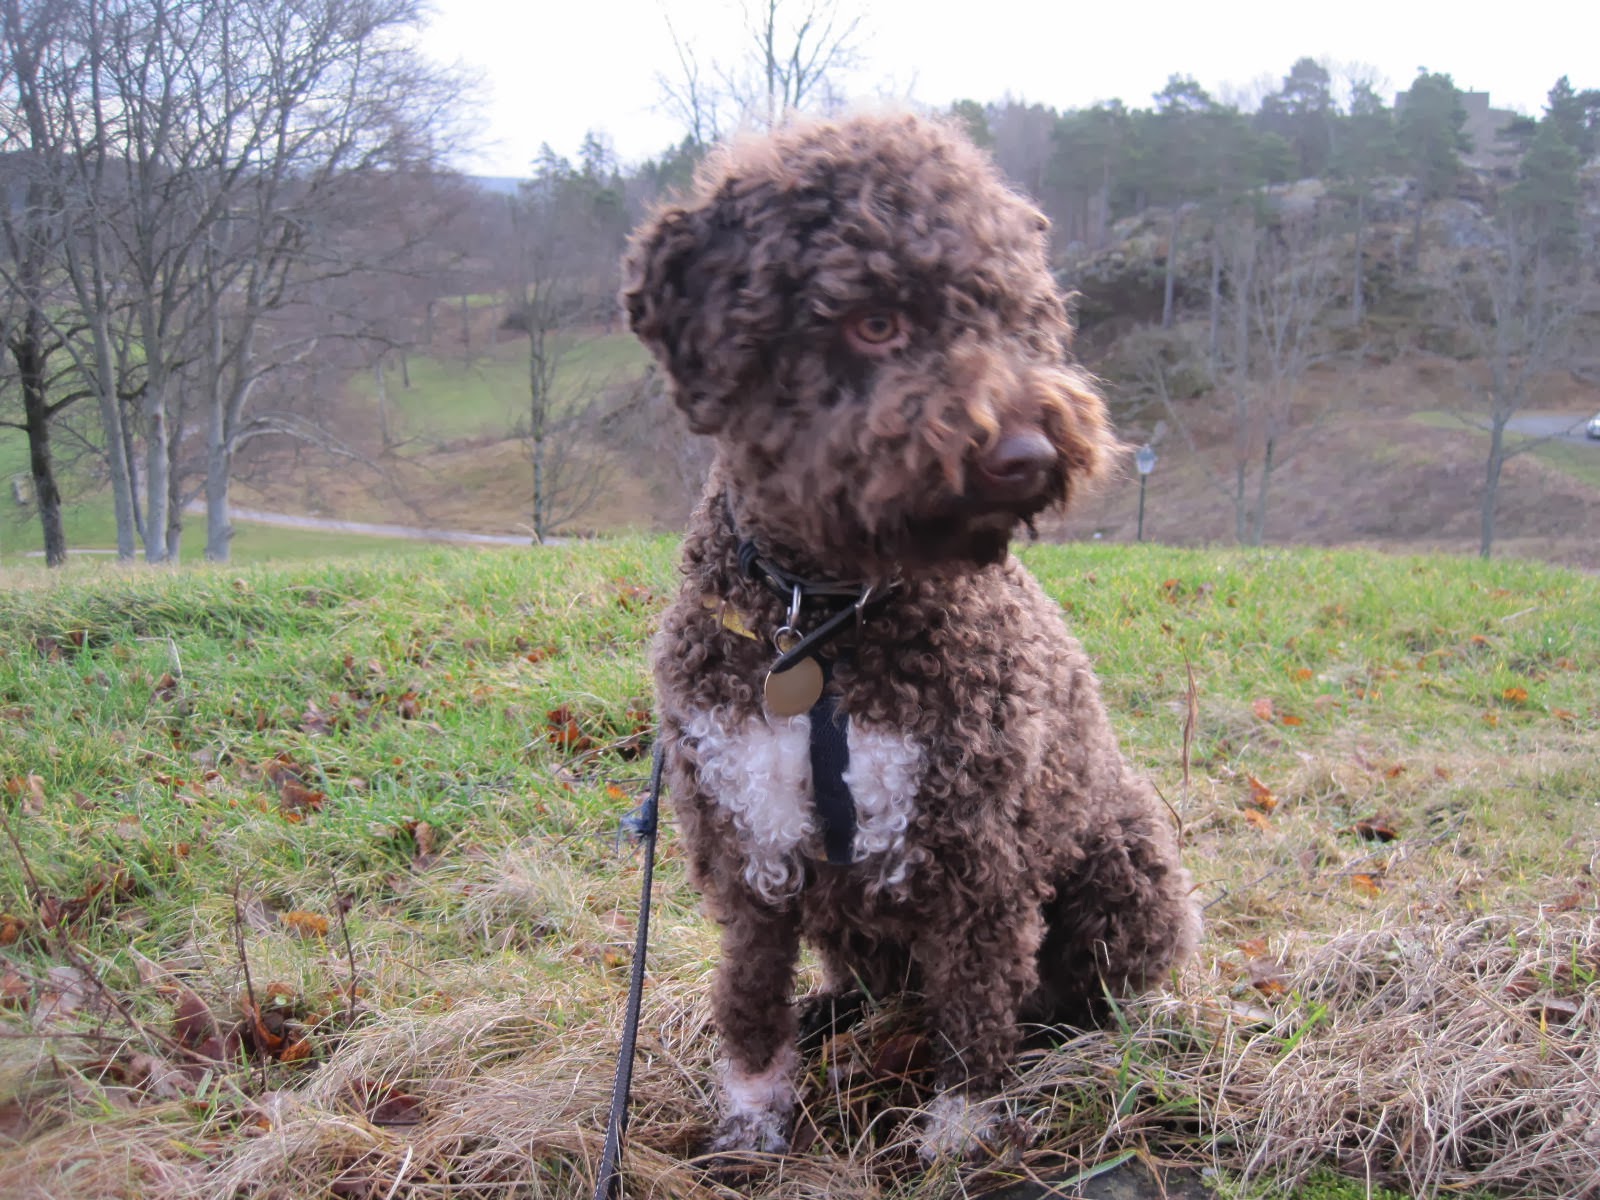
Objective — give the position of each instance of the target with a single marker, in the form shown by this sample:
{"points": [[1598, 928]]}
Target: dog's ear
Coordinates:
{"points": [[682, 277]]}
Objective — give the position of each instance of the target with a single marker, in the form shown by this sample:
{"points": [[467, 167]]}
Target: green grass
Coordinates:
{"points": [[420, 706], [451, 399]]}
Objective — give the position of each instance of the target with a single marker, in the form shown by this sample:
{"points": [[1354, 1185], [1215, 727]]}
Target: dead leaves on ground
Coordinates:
{"points": [[581, 733]]}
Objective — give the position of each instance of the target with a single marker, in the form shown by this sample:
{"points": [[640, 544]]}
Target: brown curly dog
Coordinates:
{"points": [[926, 787]]}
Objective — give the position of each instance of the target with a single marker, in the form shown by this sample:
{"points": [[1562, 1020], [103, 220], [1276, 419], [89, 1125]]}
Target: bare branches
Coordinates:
{"points": [[797, 52], [1517, 309]]}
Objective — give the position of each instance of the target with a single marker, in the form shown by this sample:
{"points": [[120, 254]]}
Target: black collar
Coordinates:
{"points": [[786, 585]]}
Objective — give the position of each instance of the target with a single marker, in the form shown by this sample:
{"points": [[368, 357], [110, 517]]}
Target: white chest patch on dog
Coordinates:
{"points": [[760, 771]]}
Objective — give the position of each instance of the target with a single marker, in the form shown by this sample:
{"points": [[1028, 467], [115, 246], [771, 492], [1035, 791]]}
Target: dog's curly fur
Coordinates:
{"points": [[861, 315]]}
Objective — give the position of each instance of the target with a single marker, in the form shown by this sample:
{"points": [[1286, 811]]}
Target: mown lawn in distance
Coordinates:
{"points": [[416, 765], [488, 393]]}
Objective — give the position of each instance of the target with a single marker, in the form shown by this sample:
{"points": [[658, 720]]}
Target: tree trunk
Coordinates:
{"points": [[1491, 484], [157, 436], [174, 533], [1416, 229], [29, 353], [1258, 532], [130, 457], [219, 526], [1240, 508], [1172, 268], [46, 495], [538, 415], [382, 390], [1358, 300], [119, 457], [1216, 301]]}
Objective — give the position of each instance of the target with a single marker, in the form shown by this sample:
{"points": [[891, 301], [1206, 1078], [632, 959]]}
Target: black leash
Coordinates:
{"points": [[642, 824]]}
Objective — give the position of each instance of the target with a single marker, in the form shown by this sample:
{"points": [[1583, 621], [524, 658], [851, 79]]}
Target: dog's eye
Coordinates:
{"points": [[877, 331]]}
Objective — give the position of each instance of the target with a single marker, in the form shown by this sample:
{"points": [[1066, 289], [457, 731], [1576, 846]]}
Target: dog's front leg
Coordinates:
{"points": [[760, 944], [977, 970]]}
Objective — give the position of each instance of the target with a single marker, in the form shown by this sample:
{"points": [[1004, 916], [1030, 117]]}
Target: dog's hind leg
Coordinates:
{"points": [[1117, 924], [977, 966]]}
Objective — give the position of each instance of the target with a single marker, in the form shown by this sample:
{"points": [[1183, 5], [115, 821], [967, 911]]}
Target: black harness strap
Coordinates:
{"points": [[830, 759]]}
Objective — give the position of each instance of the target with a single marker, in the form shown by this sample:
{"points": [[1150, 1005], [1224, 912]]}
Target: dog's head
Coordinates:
{"points": [[862, 314]]}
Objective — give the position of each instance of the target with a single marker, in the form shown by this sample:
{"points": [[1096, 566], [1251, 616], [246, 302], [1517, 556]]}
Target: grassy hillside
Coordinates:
{"points": [[310, 886]]}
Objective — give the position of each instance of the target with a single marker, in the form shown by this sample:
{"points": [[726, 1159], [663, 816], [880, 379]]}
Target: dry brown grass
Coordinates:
{"points": [[1429, 1053]]}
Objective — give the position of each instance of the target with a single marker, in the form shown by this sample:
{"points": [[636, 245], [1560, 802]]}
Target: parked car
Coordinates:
{"points": [[1593, 427]]}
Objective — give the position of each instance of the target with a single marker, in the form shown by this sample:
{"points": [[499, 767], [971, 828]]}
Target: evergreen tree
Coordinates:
{"points": [[974, 121], [1576, 116], [1431, 128], [1302, 113], [1366, 148], [1544, 200]]}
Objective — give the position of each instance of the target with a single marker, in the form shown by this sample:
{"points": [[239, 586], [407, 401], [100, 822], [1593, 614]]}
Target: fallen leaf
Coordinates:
{"points": [[1380, 828], [1261, 795], [1266, 975], [1301, 674], [305, 923], [1263, 709], [1515, 695], [391, 1106], [66, 991], [1556, 1010], [564, 730], [192, 1019], [14, 990], [899, 1056], [29, 789], [1367, 885], [1256, 818], [296, 1051], [633, 596], [295, 797]]}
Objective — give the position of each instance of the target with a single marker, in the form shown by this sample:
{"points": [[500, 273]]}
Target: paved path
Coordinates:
{"points": [[416, 533], [1554, 425]]}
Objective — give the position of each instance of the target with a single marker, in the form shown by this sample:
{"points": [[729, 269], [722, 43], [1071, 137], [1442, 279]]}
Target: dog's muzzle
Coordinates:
{"points": [[1015, 471]]}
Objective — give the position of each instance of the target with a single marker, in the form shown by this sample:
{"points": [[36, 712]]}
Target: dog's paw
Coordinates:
{"points": [[759, 1132], [757, 1107], [956, 1126]]}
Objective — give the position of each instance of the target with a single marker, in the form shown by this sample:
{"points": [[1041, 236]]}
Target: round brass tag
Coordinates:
{"points": [[792, 692]]}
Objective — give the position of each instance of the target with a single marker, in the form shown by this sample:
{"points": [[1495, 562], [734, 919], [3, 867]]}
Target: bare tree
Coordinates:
{"points": [[1279, 287], [796, 54], [568, 225], [692, 95], [340, 107], [199, 153], [43, 69], [1519, 313]]}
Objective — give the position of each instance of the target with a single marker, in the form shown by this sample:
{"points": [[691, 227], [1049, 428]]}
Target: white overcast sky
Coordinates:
{"points": [[553, 70]]}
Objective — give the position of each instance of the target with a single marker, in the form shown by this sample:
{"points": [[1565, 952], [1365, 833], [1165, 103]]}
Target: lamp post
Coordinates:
{"points": [[1145, 462]]}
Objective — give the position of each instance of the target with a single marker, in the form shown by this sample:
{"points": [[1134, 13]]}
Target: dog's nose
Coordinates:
{"points": [[1016, 467]]}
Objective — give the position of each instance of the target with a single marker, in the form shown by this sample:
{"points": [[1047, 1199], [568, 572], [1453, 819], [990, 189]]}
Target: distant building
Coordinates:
{"points": [[1485, 126]]}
